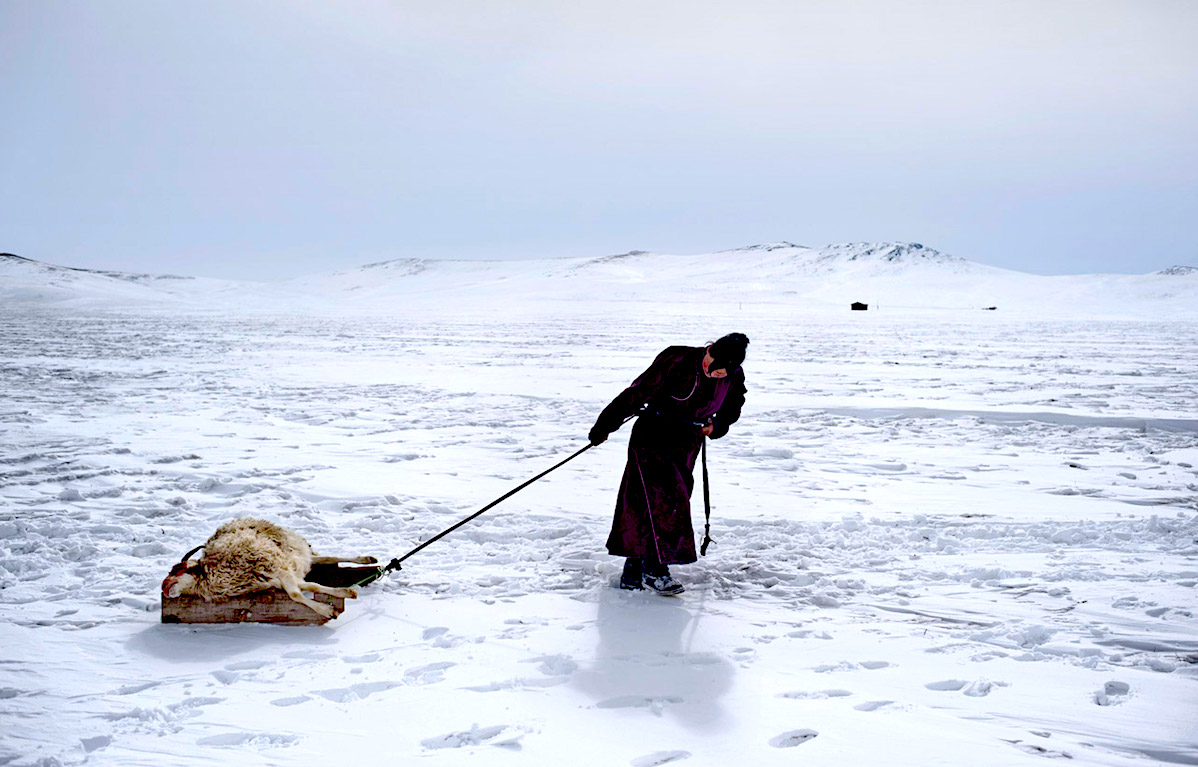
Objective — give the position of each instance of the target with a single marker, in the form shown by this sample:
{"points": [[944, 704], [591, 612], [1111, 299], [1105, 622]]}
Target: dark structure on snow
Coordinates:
{"points": [[857, 306]]}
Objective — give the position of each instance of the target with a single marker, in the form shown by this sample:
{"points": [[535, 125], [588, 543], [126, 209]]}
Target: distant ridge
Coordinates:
{"points": [[897, 276], [128, 276], [891, 252], [618, 257], [764, 247]]}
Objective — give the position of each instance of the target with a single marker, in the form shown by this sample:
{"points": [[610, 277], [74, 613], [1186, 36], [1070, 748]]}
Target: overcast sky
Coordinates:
{"points": [[275, 138]]}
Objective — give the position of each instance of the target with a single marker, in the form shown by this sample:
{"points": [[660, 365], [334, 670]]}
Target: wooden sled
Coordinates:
{"points": [[271, 605]]}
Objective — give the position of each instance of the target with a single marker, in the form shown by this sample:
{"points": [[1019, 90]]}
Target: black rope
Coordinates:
{"points": [[394, 564], [707, 541]]}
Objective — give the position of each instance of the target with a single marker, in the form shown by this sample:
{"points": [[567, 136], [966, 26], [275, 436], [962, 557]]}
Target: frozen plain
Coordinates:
{"points": [[943, 538]]}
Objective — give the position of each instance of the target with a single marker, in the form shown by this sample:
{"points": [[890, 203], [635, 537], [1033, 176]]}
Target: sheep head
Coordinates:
{"points": [[184, 578]]}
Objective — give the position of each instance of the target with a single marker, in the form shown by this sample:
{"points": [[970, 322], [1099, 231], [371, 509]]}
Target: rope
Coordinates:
{"points": [[707, 541], [394, 564]]}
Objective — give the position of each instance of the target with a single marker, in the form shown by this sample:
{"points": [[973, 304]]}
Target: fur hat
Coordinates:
{"points": [[729, 352]]}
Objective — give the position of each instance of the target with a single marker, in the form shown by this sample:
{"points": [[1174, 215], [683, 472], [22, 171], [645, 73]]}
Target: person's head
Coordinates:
{"points": [[725, 355]]}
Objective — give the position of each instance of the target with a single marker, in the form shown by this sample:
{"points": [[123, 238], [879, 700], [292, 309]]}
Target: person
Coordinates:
{"points": [[686, 395]]}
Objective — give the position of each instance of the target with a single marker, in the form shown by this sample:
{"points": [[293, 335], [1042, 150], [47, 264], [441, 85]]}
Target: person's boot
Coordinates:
{"points": [[633, 577], [658, 578]]}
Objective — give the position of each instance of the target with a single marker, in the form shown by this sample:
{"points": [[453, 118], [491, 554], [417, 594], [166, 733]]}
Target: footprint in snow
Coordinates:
{"points": [[372, 657], [659, 758], [518, 684], [792, 738], [844, 665], [126, 690], [430, 674], [1112, 694], [295, 701], [804, 695], [873, 705], [96, 743], [555, 665], [308, 655], [249, 739], [979, 688], [656, 705], [499, 735], [434, 631], [353, 692], [946, 685], [1032, 748]]}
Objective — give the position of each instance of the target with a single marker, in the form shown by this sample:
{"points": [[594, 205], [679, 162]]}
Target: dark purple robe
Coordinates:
{"points": [[653, 512]]}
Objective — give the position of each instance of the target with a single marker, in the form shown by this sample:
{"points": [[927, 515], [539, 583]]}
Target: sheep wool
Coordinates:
{"points": [[248, 555]]}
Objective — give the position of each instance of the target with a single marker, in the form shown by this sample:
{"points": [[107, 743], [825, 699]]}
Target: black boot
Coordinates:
{"points": [[633, 577], [658, 578]]}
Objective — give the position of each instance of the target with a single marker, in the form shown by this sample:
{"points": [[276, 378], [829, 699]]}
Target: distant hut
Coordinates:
{"points": [[857, 306]]}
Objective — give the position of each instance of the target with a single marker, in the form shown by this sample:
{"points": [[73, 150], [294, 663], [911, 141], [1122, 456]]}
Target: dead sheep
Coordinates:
{"points": [[249, 555]]}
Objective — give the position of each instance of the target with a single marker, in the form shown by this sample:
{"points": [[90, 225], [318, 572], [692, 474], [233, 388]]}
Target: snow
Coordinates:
{"points": [[944, 536], [777, 279]]}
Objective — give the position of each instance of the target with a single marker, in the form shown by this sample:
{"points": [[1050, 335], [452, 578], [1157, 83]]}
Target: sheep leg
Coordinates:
{"points": [[333, 591], [293, 587], [347, 560]]}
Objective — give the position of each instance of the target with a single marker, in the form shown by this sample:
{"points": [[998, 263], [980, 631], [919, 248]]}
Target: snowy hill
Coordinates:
{"points": [[24, 281], [891, 276], [888, 276], [1178, 271]]}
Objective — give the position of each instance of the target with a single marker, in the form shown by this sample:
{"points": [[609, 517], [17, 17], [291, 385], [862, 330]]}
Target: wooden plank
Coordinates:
{"points": [[273, 606]]}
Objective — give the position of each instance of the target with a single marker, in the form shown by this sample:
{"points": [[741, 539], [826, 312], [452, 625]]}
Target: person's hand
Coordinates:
{"points": [[597, 437], [708, 428]]}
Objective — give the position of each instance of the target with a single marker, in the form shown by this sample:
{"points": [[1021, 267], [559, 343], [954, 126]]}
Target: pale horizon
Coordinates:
{"points": [[484, 258], [277, 139]]}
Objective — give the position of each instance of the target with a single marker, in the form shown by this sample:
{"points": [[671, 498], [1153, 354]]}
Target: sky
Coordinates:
{"points": [[279, 138]]}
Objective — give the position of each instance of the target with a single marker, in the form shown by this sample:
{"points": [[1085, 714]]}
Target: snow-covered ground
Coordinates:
{"points": [[943, 537], [772, 279]]}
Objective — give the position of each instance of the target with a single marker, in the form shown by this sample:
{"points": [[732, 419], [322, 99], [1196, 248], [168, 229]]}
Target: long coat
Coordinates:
{"points": [[652, 519]]}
